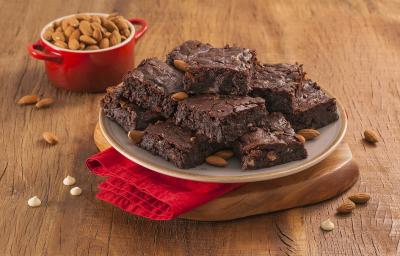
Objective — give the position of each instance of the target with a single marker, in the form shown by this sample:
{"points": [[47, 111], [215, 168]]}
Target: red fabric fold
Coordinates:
{"points": [[146, 193]]}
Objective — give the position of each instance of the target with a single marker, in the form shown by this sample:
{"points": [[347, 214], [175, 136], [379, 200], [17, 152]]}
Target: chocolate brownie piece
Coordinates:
{"points": [[272, 145], [222, 118], [187, 51], [285, 90], [128, 115], [226, 70], [151, 84], [180, 146]]}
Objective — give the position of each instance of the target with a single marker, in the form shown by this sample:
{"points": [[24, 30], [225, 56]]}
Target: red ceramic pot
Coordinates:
{"points": [[87, 71]]}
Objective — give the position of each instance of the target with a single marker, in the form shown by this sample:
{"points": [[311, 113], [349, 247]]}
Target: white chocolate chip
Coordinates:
{"points": [[76, 191], [69, 181], [327, 225], [34, 202]]}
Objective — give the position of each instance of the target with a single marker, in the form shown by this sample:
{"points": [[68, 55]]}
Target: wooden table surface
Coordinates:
{"points": [[350, 47]]}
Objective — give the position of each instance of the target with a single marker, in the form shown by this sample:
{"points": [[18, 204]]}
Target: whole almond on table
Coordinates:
{"points": [[225, 154], [370, 136], [216, 161], [28, 100], [360, 198], [178, 96], [44, 103], [50, 138], [136, 136], [309, 134], [346, 207], [181, 65]]}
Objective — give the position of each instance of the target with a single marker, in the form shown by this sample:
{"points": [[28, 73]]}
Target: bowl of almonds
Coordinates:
{"points": [[88, 52]]}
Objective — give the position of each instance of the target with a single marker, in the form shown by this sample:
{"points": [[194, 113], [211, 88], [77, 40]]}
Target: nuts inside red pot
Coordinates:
{"points": [[88, 32]]}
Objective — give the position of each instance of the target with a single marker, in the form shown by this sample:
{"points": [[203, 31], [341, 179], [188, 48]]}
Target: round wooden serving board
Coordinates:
{"points": [[329, 178]]}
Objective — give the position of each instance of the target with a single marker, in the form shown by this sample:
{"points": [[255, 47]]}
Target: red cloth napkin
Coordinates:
{"points": [[140, 191]]}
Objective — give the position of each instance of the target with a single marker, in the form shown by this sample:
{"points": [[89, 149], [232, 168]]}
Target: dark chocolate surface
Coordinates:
{"points": [[221, 118], [151, 84], [271, 145], [180, 146]]}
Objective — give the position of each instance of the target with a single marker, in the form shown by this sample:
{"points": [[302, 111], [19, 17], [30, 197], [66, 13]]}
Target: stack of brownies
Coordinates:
{"points": [[204, 99]]}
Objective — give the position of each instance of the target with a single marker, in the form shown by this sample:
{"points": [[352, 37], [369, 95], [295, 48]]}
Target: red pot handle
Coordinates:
{"points": [[36, 50], [143, 28]]}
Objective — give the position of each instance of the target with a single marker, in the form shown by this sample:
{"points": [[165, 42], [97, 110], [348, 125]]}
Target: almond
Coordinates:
{"points": [[85, 28], [271, 156], [50, 138], [346, 207], [126, 32], [308, 134], [82, 46], [225, 154], [300, 138], [73, 22], [96, 19], [92, 47], [121, 23], [44, 103], [75, 35], [87, 39], [136, 136], [104, 43], [73, 44], [216, 161], [81, 17], [97, 35], [115, 38], [109, 25], [360, 198], [68, 32], [181, 65], [58, 36], [178, 96], [370, 136], [28, 100], [98, 26], [61, 44]]}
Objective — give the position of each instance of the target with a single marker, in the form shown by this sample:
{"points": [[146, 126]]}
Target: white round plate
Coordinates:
{"points": [[318, 149]]}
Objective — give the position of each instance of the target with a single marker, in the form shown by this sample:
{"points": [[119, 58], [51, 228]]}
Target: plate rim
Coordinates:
{"points": [[180, 173]]}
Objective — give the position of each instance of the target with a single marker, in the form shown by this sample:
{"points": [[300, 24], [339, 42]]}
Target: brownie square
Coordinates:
{"points": [[151, 85], [187, 51], [226, 70], [285, 90], [272, 145], [128, 115], [180, 146], [221, 118]]}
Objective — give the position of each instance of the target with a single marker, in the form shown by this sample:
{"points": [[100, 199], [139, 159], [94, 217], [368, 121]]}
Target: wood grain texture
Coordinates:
{"points": [[329, 178], [350, 47]]}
